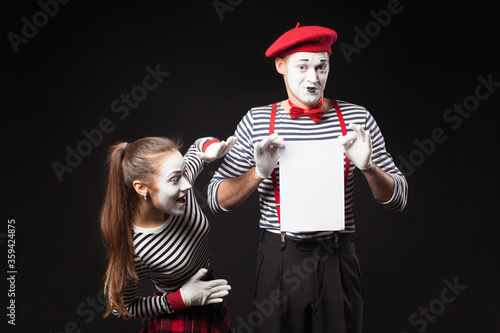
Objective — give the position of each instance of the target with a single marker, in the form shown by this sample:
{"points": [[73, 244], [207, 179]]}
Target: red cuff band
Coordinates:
{"points": [[208, 143], [175, 301]]}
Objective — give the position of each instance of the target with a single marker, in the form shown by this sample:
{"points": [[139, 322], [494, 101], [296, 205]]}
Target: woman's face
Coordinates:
{"points": [[172, 185]]}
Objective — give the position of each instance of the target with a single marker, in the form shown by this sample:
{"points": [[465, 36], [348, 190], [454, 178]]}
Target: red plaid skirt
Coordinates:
{"points": [[212, 318]]}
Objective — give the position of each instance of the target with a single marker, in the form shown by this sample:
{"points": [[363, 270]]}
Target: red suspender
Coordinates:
{"points": [[344, 132], [273, 175]]}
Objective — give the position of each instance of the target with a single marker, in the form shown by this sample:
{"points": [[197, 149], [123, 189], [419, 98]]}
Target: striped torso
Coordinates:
{"points": [[255, 126]]}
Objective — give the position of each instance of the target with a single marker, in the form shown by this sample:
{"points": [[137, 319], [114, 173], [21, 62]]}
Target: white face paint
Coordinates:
{"points": [[306, 75], [173, 185]]}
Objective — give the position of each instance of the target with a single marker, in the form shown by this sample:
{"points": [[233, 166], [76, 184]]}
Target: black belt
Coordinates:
{"points": [[333, 241]]}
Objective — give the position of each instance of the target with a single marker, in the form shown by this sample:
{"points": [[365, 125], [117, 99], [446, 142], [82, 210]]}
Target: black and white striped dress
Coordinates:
{"points": [[255, 126]]}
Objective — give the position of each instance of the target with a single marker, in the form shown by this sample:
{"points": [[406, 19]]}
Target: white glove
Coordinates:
{"points": [[266, 154], [217, 150], [196, 292], [358, 146]]}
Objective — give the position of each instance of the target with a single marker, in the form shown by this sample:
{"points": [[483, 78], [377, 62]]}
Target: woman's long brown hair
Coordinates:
{"points": [[138, 162]]}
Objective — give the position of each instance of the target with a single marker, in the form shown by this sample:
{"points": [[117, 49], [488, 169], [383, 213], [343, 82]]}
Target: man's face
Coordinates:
{"points": [[305, 75]]}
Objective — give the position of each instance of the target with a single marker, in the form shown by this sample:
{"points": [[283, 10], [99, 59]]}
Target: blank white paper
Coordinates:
{"points": [[312, 186]]}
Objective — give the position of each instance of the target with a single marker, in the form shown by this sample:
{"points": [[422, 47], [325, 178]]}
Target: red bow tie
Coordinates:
{"points": [[315, 113]]}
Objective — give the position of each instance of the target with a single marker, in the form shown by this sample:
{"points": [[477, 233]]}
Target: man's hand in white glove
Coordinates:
{"points": [[217, 150], [266, 154], [196, 292], [358, 146]]}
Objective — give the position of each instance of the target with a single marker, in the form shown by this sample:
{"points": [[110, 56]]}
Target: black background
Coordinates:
{"points": [[425, 60]]}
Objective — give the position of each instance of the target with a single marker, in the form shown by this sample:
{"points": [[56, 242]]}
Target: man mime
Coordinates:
{"points": [[329, 298]]}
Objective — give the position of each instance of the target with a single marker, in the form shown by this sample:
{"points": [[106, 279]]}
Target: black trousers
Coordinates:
{"points": [[308, 286]]}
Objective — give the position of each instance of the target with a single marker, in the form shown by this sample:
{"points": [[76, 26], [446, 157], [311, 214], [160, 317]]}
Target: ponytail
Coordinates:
{"points": [[116, 227]]}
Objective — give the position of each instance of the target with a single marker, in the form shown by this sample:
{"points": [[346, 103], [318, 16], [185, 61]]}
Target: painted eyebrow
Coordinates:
{"points": [[322, 60], [176, 172]]}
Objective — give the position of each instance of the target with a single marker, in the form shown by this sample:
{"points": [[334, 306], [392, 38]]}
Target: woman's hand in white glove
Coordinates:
{"points": [[196, 292], [217, 150]]}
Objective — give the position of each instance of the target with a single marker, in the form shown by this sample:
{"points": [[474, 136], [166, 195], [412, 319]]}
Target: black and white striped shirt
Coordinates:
{"points": [[255, 126], [173, 252]]}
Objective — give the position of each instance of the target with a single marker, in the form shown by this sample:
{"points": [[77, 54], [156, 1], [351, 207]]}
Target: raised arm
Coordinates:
{"points": [[204, 151], [380, 182], [358, 147], [366, 149], [234, 191], [244, 167]]}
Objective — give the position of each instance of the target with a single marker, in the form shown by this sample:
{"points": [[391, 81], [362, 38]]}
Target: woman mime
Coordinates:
{"points": [[154, 228]]}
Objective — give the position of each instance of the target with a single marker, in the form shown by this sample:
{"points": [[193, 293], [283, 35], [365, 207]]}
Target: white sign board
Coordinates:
{"points": [[312, 186]]}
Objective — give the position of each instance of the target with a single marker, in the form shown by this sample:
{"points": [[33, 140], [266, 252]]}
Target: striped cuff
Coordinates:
{"points": [[208, 143], [397, 202], [175, 301], [213, 202]]}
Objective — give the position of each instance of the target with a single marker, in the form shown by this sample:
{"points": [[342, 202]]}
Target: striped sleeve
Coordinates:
{"points": [[144, 306], [194, 165], [383, 159], [237, 162]]}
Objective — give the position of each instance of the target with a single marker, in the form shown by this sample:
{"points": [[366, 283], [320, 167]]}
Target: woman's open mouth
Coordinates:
{"points": [[182, 200]]}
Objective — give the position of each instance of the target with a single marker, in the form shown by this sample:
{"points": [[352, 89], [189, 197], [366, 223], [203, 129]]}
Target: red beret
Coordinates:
{"points": [[303, 39]]}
